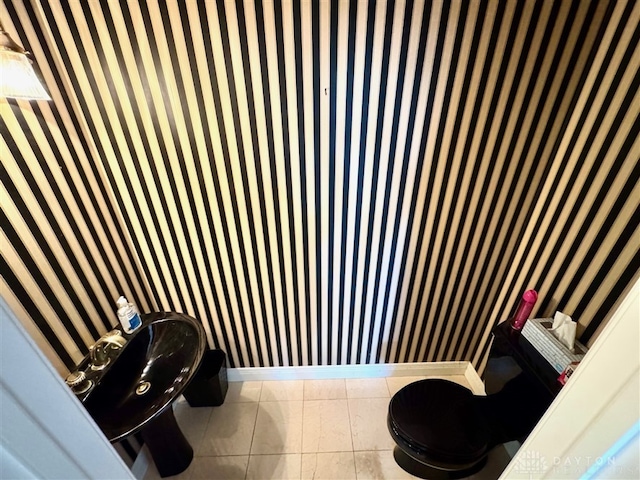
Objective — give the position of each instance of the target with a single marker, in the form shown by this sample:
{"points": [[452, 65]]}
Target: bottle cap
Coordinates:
{"points": [[122, 302]]}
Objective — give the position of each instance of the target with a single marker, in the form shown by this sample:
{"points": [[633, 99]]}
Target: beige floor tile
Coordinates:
{"points": [[278, 428], [219, 468], [280, 391], [367, 388], [192, 421], [379, 465], [152, 473], [266, 439], [332, 389], [329, 466], [395, 384], [230, 430], [368, 418], [326, 427], [243, 392], [283, 467]]}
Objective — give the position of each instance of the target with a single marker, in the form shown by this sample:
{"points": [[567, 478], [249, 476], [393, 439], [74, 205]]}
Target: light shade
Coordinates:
{"points": [[17, 76]]}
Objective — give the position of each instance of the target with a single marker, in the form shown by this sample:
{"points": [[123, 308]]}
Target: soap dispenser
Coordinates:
{"points": [[128, 315]]}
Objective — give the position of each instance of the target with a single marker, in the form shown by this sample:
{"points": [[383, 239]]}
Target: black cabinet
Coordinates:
{"points": [[533, 382]]}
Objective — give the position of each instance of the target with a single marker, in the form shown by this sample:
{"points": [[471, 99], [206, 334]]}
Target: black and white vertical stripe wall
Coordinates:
{"points": [[324, 182]]}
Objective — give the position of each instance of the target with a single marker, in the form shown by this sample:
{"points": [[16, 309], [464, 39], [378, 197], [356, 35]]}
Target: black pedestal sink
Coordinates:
{"points": [[136, 390]]}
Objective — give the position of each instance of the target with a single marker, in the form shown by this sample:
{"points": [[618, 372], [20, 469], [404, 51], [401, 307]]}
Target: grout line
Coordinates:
{"points": [[355, 468], [228, 455], [350, 430], [253, 433], [202, 436], [302, 433]]}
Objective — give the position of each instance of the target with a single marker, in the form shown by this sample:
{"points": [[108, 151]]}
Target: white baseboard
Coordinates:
{"points": [[347, 371], [476, 383]]}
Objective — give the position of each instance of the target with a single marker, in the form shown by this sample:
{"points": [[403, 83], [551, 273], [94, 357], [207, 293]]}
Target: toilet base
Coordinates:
{"points": [[422, 470]]}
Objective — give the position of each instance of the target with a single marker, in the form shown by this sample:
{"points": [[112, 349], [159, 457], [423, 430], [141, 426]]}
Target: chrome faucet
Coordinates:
{"points": [[99, 351]]}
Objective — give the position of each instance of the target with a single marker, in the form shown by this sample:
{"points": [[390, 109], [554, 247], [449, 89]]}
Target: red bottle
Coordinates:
{"points": [[524, 309]]}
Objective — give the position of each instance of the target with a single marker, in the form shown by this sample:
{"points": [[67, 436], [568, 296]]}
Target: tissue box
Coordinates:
{"points": [[549, 346]]}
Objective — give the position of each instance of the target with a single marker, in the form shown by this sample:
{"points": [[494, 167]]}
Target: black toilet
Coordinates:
{"points": [[444, 431]]}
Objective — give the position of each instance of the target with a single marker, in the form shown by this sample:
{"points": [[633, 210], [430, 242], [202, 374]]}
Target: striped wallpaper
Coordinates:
{"points": [[322, 182]]}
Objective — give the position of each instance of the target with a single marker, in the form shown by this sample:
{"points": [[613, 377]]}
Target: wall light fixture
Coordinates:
{"points": [[18, 79]]}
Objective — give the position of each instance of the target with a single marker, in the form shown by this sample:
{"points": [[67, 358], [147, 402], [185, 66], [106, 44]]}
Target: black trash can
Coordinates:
{"points": [[209, 385]]}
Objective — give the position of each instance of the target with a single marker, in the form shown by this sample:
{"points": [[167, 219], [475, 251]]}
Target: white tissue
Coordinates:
{"points": [[564, 329]]}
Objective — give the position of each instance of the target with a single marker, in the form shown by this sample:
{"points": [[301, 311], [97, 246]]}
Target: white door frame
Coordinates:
{"points": [[45, 432]]}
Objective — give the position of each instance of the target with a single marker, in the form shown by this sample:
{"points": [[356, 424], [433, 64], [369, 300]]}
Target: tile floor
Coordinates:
{"points": [[298, 429]]}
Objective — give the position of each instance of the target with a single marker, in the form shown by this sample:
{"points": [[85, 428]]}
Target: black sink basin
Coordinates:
{"points": [[148, 374]]}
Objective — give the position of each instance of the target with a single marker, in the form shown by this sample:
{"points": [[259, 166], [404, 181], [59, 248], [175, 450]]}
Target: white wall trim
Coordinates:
{"points": [[475, 382], [346, 371], [360, 371]]}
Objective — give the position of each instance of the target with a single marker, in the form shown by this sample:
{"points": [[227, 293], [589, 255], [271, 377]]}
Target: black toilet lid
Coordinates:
{"points": [[441, 419]]}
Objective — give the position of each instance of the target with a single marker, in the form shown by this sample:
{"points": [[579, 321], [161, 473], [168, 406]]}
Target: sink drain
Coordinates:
{"points": [[143, 388]]}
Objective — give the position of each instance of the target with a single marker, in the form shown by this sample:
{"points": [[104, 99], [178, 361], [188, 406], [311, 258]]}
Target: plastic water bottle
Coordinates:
{"points": [[529, 299], [128, 315]]}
